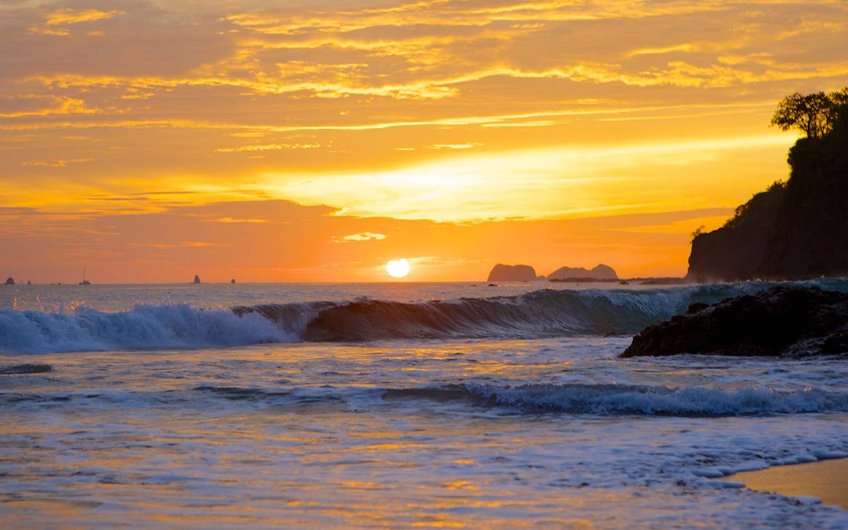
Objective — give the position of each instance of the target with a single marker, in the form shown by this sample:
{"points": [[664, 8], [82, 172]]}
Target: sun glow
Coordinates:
{"points": [[398, 268]]}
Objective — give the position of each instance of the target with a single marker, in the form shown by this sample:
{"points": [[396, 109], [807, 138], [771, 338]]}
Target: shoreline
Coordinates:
{"points": [[826, 480]]}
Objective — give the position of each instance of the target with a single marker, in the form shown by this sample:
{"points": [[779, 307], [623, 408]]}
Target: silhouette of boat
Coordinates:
{"points": [[10, 281], [233, 281], [196, 279], [84, 281]]}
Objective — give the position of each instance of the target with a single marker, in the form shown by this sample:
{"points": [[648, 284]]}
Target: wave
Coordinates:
{"points": [[636, 400], [142, 328], [576, 399], [573, 399], [544, 313]]}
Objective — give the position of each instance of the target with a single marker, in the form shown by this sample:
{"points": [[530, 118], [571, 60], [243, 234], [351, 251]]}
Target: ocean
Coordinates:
{"points": [[455, 405]]}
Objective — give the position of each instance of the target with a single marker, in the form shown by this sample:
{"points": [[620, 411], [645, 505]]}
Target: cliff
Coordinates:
{"points": [[794, 230], [601, 272], [512, 273]]}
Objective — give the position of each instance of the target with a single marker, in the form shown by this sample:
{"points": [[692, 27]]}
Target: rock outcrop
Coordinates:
{"points": [[512, 273], [601, 272], [783, 321]]}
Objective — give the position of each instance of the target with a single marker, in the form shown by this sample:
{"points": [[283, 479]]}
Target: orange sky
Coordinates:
{"points": [[313, 140]]}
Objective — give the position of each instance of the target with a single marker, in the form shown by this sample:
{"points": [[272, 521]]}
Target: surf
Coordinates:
{"points": [[538, 314]]}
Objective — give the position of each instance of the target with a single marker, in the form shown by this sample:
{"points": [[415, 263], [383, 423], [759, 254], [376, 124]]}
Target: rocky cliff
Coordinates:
{"points": [[794, 230]]}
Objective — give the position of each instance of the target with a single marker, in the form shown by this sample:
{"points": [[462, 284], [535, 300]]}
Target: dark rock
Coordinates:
{"points": [[512, 273], [23, 369], [698, 306], [783, 321], [599, 273]]}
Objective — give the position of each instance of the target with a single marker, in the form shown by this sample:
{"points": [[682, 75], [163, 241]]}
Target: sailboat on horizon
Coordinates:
{"points": [[84, 280]]}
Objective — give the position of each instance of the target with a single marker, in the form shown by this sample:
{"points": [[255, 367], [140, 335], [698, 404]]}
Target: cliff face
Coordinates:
{"points": [[512, 273], [792, 231]]}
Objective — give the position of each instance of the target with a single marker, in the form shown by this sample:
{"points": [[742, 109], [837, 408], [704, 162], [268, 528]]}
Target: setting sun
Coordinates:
{"points": [[398, 268]]}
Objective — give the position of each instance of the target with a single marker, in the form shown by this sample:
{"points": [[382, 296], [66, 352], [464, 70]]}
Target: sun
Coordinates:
{"points": [[398, 268]]}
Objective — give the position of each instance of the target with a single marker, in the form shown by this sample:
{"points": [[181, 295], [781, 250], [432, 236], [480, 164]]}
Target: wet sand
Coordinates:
{"points": [[827, 480]]}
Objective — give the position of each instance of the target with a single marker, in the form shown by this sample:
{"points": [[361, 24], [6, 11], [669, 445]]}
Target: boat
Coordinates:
{"points": [[84, 280], [196, 279], [10, 281], [233, 281]]}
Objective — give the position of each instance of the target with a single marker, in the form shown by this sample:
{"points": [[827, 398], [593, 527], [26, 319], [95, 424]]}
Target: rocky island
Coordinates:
{"points": [[512, 273], [599, 273]]}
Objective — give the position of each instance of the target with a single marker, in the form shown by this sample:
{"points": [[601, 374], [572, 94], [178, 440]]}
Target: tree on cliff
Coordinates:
{"points": [[815, 114]]}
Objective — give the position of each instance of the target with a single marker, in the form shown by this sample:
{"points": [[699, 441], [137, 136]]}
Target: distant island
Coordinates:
{"points": [[795, 229], [599, 273], [512, 273], [526, 273]]}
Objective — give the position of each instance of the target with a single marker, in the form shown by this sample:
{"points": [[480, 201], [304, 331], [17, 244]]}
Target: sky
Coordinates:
{"points": [[315, 140]]}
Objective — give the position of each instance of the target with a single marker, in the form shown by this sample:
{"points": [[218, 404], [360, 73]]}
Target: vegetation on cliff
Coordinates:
{"points": [[797, 229]]}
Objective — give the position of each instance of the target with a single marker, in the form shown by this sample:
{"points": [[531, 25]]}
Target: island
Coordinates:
{"points": [[599, 273], [512, 273]]}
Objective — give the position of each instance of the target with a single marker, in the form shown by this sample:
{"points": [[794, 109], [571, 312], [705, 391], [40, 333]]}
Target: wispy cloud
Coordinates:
{"points": [[360, 237], [56, 23], [266, 147]]}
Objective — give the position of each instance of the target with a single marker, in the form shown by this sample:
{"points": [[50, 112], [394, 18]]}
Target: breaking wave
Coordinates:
{"points": [[142, 328], [543, 313]]}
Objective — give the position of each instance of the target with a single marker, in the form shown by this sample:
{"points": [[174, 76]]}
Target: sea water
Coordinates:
{"points": [[395, 405]]}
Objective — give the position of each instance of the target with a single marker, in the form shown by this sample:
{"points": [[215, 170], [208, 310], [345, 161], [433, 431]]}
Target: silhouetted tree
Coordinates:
{"points": [[815, 114], [839, 109], [812, 113]]}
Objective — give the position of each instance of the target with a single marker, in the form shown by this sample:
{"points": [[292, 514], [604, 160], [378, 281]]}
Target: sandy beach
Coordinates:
{"points": [[827, 480]]}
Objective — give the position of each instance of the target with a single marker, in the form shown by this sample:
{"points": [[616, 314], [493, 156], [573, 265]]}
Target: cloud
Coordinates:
{"points": [[266, 147], [56, 163], [56, 22], [233, 220], [65, 17], [61, 106], [361, 236], [454, 147]]}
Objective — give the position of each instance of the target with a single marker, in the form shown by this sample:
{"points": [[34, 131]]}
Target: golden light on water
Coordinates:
{"points": [[398, 268]]}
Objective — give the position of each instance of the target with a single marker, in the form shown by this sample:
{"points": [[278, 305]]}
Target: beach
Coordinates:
{"points": [[826, 480]]}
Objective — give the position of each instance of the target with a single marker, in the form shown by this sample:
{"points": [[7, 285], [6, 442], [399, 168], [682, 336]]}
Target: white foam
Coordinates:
{"points": [[142, 328]]}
